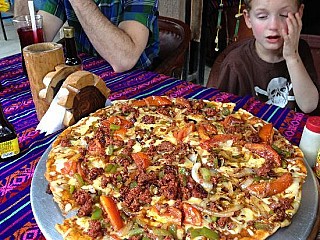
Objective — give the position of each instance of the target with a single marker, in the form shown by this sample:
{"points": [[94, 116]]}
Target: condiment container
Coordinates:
{"points": [[310, 140], [317, 166], [72, 58], [9, 145]]}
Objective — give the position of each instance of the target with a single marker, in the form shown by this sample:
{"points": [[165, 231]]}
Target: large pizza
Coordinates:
{"points": [[174, 168]]}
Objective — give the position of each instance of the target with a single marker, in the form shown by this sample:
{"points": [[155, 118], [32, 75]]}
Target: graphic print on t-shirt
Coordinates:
{"points": [[278, 91]]}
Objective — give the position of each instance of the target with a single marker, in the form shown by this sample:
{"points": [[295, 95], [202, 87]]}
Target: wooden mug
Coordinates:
{"points": [[40, 59]]}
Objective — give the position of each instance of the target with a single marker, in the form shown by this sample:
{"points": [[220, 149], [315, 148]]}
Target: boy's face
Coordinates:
{"points": [[267, 18]]}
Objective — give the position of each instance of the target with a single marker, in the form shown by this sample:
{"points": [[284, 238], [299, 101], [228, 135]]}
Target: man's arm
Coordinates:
{"points": [[121, 46]]}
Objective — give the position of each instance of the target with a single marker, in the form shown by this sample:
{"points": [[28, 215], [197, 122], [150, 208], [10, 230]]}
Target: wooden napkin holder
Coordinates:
{"points": [[80, 92]]}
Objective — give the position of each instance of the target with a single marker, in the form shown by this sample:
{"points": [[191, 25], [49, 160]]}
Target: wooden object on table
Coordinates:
{"points": [[40, 59], [81, 94], [54, 80]]}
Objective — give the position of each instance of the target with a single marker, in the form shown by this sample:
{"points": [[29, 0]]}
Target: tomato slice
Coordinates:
{"points": [[191, 215], [120, 121], [152, 101], [141, 159], [203, 133], [267, 189], [280, 184], [265, 151], [69, 167], [217, 139], [120, 134], [112, 210], [266, 133], [184, 132], [182, 102], [158, 101]]}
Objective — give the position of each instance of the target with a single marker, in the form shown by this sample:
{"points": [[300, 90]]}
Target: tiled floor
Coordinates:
{"points": [[12, 45]]}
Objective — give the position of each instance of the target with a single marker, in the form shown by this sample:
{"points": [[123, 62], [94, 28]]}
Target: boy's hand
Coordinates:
{"points": [[291, 36]]}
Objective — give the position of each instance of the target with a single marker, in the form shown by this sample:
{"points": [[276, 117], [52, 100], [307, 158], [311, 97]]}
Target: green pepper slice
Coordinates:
{"points": [[135, 231], [205, 173], [109, 150], [261, 226], [72, 188], [114, 127], [79, 179], [96, 214], [205, 232]]}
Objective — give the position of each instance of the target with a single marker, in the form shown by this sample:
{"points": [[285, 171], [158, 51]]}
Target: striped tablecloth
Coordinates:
{"points": [[16, 217]]}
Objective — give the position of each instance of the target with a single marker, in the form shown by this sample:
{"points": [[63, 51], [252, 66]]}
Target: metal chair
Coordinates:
{"points": [[174, 36], [8, 15]]}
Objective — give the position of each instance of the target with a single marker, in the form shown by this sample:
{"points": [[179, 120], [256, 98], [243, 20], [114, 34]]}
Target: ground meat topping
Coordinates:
{"points": [[95, 229]]}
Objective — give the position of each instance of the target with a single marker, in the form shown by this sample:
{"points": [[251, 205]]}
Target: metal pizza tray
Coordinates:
{"points": [[47, 212]]}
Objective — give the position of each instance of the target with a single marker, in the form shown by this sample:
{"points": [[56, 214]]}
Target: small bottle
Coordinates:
{"points": [[9, 145], [310, 140], [317, 166], [72, 58]]}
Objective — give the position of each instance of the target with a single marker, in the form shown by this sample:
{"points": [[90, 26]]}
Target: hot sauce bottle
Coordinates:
{"points": [[310, 139], [72, 58], [9, 145]]}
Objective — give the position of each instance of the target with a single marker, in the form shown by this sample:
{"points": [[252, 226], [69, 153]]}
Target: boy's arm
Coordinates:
{"points": [[305, 91]]}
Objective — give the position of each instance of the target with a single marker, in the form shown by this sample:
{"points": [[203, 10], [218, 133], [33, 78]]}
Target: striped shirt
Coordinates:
{"points": [[143, 11]]}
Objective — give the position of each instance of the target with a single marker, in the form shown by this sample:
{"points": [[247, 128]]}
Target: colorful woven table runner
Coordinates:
{"points": [[16, 217]]}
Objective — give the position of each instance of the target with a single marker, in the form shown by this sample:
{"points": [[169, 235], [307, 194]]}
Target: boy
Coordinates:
{"points": [[274, 66]]}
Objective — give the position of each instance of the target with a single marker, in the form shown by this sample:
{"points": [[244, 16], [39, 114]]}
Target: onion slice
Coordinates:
{"points": [[246, 183], [195, 175]]}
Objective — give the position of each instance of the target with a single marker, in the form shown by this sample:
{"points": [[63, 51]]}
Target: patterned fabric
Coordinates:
{"points": [[16, 217], [143, 11]]}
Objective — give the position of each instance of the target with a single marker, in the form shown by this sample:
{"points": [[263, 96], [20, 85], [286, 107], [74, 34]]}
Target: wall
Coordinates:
{"points": [[172, 8], [176, 9]]}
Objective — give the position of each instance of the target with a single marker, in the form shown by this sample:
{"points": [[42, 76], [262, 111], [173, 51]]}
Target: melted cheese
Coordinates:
{"points": [[83, 223], [83, 128]]}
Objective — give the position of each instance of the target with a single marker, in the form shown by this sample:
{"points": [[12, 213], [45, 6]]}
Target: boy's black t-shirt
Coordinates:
{"points": [[243, 72]]}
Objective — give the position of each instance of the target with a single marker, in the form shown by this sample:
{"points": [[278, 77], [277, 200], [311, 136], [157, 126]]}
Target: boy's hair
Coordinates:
{"points": [[247, 3]]}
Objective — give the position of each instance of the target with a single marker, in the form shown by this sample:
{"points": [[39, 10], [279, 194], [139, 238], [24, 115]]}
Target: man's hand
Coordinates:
{"points": [[291, 36]]}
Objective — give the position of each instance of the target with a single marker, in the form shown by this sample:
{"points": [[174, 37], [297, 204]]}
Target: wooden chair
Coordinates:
{"points": [[8, 15], [312, 40], [314, 43], [174, 36]]}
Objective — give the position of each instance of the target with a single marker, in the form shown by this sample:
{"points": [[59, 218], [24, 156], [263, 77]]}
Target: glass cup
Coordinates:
{"points": [[26, 35]]}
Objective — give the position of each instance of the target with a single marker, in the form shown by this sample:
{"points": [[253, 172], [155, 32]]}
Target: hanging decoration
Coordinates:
{"points": [[218, 26], [237, 16]]}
